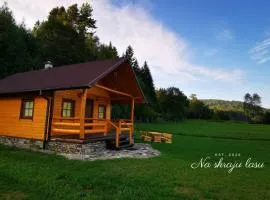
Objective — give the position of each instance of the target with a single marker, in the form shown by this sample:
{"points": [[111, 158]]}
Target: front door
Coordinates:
{"points": [[89, 111]]}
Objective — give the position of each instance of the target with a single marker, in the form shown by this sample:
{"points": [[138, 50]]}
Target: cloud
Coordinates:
{"points": [[261, 51], [225, 34], [167, 53]]}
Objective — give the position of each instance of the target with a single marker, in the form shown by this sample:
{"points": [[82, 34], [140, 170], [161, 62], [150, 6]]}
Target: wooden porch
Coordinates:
{"points": [[91, 130], [81, 128]]}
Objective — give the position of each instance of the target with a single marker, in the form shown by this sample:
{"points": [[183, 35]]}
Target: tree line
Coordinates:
{"points": [[68, 36]]}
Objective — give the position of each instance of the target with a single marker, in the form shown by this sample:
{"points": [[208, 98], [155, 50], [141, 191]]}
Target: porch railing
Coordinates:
{"points": [[72, 126], [64, 125]]}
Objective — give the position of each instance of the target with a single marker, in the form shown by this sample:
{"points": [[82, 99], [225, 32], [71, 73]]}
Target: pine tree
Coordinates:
{"points": [[18, 46], [107, 52], [149, 83], [129, 55]]}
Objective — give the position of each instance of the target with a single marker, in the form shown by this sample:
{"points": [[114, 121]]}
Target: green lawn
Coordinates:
{"points": [[31, 175], [223, 129]]}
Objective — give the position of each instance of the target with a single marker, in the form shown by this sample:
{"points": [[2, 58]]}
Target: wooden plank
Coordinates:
{"points": [[132, 118], [66, 118], [129, 124], [125, 129], [114, 91], [65, 124], [12, 125], [132, 110], [95, 124], [95, 131], [82, 114], [60, 130]]}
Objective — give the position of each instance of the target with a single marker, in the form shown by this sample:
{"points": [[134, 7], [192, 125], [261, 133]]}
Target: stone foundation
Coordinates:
{"points": [[72, 148], [21, 142], [89, 151]]}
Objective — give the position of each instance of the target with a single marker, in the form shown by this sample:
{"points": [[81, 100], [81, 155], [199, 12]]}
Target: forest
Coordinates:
{"points": [[68, 36]]}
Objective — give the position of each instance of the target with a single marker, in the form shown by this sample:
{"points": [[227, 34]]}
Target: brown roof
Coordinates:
{"points": [[64, 77]]}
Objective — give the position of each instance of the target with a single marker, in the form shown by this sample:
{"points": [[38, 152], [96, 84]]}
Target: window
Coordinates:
{"points": [[68, 108], [27, 109], [101, 111]]}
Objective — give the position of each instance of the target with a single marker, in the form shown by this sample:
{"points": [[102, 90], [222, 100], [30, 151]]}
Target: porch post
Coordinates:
{"points": [[82, 114], [132, 119], [132, 110]]}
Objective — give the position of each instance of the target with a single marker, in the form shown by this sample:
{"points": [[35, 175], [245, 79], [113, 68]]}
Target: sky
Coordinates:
{"points": [[215, 49]]}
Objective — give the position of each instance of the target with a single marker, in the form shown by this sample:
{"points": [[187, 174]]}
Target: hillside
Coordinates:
{"points": [[224, 105]]}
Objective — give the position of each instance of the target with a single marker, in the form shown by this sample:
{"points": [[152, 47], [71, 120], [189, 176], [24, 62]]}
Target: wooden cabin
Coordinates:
{"points": [[70, 103]]}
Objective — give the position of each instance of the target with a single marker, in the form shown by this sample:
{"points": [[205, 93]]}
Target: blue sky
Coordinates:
{"points": [[223, 34], [215, 49]]}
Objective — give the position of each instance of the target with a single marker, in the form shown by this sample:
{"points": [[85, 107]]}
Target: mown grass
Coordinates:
{"points": [[222, 129], [32, 175]]}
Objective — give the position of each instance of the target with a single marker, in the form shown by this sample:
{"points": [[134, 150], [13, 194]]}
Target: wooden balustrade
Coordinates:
{"points": [[63, 125], [72, 125], [127, 125]]}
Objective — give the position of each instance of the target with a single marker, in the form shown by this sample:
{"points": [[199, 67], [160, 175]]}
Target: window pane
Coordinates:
{"points": [[100, 115], [65, 105], [27, 108], [67, 109], [28, 104], [101, 109], [31, 103], [64, 114], [30, 112], [68, 113], [26, 113]]}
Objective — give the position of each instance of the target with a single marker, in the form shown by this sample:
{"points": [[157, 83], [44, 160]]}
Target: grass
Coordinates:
{"points": [[221, 129], [31, 175]]}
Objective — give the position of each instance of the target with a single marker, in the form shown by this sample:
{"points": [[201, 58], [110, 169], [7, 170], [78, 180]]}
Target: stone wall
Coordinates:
{"points": [[21, 142], [72, 148], [62, 147], [89, 151]]}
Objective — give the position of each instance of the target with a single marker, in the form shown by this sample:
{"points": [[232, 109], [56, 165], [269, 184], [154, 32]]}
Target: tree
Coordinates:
{"points": [[197, 109], [173, 104], [66, 36], [80, 19], [60, 43], [266, 119], [85, 20], [107, 52], [18, 46], [252, 107], [129, 55], [148, 84]]}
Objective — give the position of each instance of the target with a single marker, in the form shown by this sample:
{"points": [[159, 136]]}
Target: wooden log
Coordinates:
{"points": [[94, 124], [125, 129], [95, 131], [65, 124], [112, 90], [67, 131], [82, 114]]}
